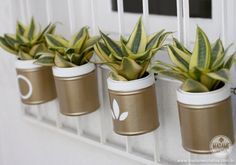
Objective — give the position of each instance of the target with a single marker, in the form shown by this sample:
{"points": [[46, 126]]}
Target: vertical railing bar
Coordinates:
{"points": [[71, 14], [128, 144], [99, 76], [22, 106], [223, 21], [71, 11], [49, 19], [22, 12], [12, 26], [49, 11], [28, 15], [94, 24], [28, 10], [101, 109], [186, 20], [234, 20], [39, 109], [58, 117], [146, 14], [179, 5], [146, 22], [120, 7], [156, 146]]}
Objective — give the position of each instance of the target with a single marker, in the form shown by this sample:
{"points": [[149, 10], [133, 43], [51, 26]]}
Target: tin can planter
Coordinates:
{"points": [[36, 83], [77, 89], [134, 107], [203, 117]]}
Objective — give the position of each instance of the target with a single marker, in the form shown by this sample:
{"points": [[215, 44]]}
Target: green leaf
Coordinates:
{"points": [[117, 77], [30, 31], [61, 62], [179, 58], [162, 39], [201, 56], [24, 56], [153, 40], [37, 48], [144, 66], [89, 44], [191, 85], [81, 35], [4, 45], [50, 28], [222, 75], [173, 74], [22, 40], [138, 38], [20, 28], [79, 39], [167, 66], [136, 56], [229, 62], [45, 59], [207, 81], [181, 47], [123, 40], [11, 40], [113, 47], [217, 51], [129, 69], [56, 41], [86, 57], [103, 52]]}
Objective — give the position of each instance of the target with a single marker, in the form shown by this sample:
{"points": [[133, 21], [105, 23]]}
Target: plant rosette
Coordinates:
{"points": [[77, 89], [204, 96], [36, 82], [134, 107], [75, 77], [131, 88], [204, 116]]}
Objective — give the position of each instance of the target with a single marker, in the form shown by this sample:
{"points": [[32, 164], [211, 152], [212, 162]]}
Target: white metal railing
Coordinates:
{"points": [[125, 148]]}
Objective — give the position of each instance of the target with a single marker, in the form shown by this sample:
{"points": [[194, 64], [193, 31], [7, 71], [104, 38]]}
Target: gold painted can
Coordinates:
{"points": [[134, 106], [77, 89], [36, 83], [203, 117]]}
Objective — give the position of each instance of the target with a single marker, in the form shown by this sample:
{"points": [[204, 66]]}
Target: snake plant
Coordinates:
{"points": [[205, 69], [27, 41], [68, 53], [129, 58]]}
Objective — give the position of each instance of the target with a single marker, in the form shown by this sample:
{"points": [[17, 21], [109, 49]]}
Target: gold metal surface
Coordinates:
{"points": [[200, 124], [78, 95], [142, 111], [41, 82]]}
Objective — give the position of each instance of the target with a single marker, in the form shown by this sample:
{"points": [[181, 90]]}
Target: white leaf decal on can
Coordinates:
{"points": [[116, 109], [116, 112], [27, 81], [123, 116]]}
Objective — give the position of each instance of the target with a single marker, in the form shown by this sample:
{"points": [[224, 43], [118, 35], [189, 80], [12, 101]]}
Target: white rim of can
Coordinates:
{"points": [[73, 71], [126, 86], [26, 64], [204, 98]]}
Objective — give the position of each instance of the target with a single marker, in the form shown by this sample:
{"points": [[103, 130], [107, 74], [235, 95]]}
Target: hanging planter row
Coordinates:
{"points": [[204, 100]]}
